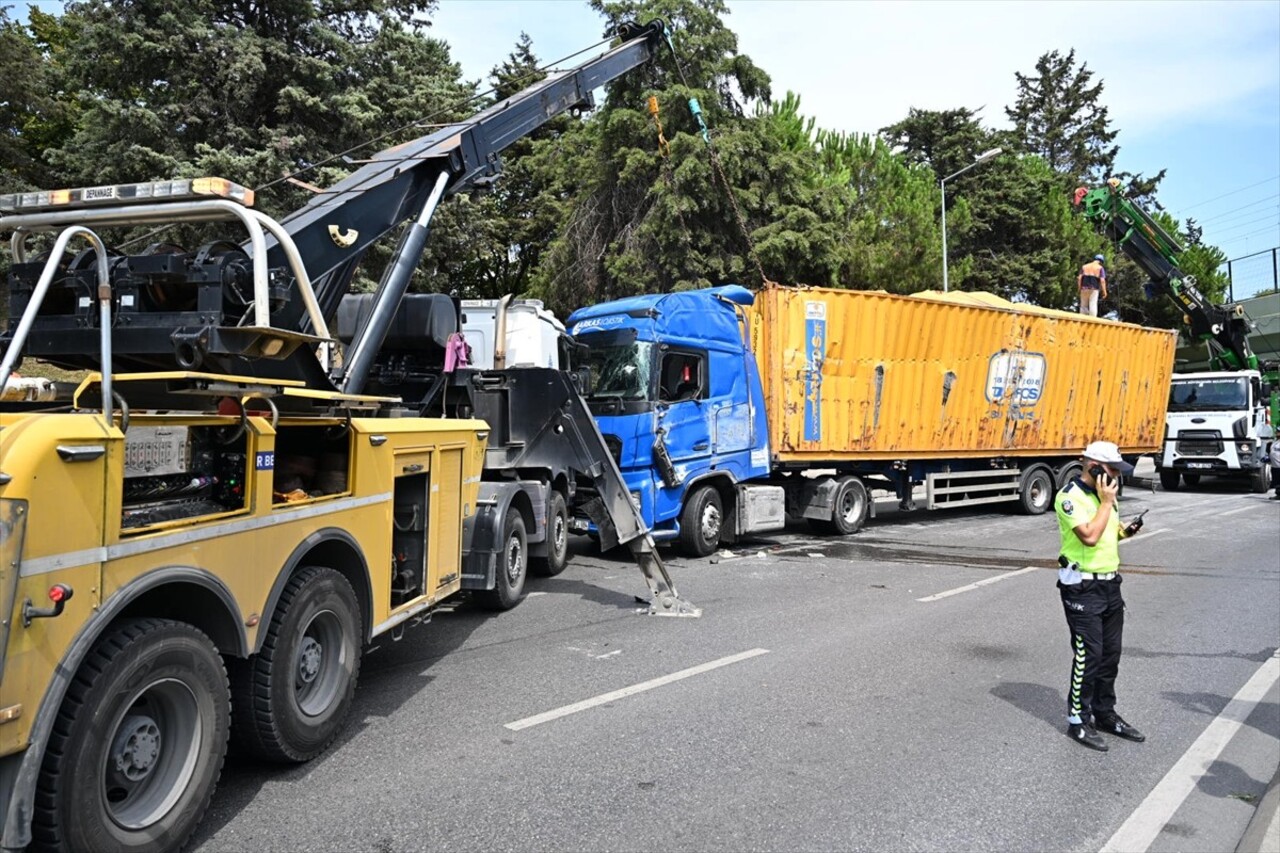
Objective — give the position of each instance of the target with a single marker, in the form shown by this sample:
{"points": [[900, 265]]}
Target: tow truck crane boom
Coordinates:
{"points": [[1156, 252]]}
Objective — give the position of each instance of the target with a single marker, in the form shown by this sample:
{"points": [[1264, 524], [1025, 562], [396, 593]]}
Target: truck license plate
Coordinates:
{"points": [[1199, 464]]}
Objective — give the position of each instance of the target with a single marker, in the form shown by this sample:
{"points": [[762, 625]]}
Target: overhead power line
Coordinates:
{"points": [[1249, 224], [1229, 194], [1243, 207]]}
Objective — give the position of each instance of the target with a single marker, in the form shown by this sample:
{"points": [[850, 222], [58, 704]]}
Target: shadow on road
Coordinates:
{"points": [[1043, 703], [1257, 657]]}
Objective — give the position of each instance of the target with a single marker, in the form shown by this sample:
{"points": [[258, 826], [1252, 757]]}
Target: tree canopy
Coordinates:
{"points": [[640, 195]]}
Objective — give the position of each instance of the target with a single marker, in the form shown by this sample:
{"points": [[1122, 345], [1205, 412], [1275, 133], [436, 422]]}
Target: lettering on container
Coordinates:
{"points": [[1016, 379], [815, 336]]}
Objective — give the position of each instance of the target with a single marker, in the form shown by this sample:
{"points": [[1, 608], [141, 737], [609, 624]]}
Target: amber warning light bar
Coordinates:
{"points": [[153, 191]]}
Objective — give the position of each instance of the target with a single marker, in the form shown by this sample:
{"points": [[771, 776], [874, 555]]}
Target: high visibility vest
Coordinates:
{"points": [[1077, 504]]}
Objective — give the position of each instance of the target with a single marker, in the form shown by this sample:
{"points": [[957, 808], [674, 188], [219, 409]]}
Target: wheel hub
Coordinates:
{"points": [[711, 523], [513, 559], [558, 534], [136, 747], [310, 657]]}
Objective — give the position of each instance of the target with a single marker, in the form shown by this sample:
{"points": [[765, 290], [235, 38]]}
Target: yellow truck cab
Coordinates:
{"points": [[164, 572]]}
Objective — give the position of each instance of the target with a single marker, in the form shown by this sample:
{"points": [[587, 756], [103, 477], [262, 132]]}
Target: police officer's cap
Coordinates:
{"points": [[1107, 453]]}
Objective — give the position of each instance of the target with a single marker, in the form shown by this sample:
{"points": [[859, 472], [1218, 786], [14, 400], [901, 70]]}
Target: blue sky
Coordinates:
{"points": [[1194, 87]]}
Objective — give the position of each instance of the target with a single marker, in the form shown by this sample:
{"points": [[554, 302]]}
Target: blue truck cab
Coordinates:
{"points": [[676, 392]]}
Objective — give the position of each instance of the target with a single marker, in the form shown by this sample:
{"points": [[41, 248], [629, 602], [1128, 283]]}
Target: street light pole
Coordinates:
{"points": [[983, 157]]}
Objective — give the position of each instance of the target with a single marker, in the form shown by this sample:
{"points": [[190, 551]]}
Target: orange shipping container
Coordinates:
{"points": [[869, 375]]}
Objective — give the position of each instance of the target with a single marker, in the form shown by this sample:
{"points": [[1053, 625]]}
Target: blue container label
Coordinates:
{"points": [[815, 335]]}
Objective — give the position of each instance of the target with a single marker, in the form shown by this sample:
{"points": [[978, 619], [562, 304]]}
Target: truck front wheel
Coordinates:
{"points": [[1260, 481], [292, 698], [701, 522], [138, 745], [1169, 479]]}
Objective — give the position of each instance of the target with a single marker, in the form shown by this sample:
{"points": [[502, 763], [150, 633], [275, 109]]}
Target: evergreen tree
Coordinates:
{"points": [[32, 116], [252, 90], [636, 221], [1058, 115], [487, 244]]}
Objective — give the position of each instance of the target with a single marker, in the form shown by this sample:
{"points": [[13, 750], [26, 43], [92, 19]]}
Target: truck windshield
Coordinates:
{"points": [[620, 371], [1200, 395]]}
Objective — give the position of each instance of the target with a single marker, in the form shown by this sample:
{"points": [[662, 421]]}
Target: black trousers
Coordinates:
{"points": [[1095, 616]]}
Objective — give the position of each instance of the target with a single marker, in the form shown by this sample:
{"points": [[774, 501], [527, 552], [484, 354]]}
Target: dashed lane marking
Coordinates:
{"points": [[1140, 830], [585, 704], [977, 584]]}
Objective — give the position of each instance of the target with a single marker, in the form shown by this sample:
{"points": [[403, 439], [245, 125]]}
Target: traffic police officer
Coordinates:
{"points": [[1089, 581]]}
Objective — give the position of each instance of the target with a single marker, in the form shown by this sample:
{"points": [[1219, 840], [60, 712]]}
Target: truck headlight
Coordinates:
{"points": [[1244, 448], [13, 527]]}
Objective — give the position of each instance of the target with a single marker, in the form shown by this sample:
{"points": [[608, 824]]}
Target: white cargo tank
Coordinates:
{"points": [[532, 336]]}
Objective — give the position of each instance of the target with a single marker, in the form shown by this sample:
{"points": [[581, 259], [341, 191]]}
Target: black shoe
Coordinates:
{"points": [[1086, 734], [1115, 725]]}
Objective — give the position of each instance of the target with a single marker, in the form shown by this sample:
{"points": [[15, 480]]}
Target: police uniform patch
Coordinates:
{"points": [[1067, 508]]}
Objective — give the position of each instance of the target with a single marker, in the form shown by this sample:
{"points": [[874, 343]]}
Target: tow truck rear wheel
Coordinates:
{"points": [[512, 565], [557, 539], [701, 522], [292, 698], [138, 743], [1169, 479]]}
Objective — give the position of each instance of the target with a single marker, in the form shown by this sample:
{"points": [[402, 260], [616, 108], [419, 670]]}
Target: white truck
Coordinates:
{"points": [[1218, 425]]}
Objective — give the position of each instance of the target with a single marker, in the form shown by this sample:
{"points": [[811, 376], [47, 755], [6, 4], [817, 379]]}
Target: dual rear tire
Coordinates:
{"points": [[140, 737]]}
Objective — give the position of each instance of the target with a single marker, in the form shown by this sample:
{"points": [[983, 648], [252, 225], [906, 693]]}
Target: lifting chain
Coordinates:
{"points": [[695, 110]]}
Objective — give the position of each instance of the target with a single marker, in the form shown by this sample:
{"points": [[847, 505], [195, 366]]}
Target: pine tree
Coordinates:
{"points": [[1059, 116]]}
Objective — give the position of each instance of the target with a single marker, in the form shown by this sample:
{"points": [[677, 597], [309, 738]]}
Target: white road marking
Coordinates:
{"points": [[1140, 830], [557, 713], [1148, 534], [1231, 512], [532, 594], [977, 584]]}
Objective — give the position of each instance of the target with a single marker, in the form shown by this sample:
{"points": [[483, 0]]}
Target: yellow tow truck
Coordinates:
{"points": [[198, 540]]}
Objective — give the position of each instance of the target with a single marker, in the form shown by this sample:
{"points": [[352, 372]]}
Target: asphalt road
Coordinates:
{"points": [[843, 712]]}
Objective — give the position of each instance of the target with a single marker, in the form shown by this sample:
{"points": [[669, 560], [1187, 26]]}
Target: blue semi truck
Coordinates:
{"points": [[729, 412]]}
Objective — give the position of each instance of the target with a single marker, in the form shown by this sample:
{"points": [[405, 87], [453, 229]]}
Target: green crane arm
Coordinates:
{"points": [[1151, 248]]}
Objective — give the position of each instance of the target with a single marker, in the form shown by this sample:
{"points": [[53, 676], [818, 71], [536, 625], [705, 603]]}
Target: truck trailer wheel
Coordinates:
{"points": [[1067, 473], [557, 539], [292, 698], [701, 522], [1169, 479], [849, 508], [512, 565], [1035, 494], [138, 745]]}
